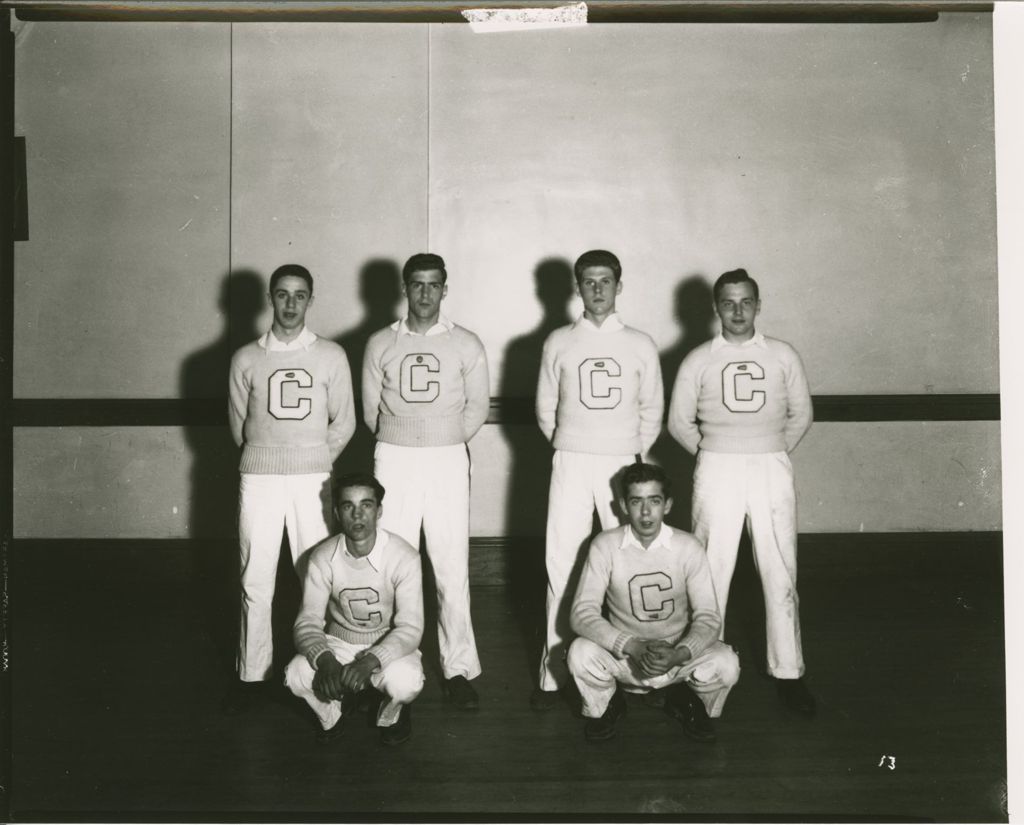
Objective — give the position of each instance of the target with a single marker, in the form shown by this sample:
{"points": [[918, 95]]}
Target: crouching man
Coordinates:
{"points": [[662, 623], [361, 619]]}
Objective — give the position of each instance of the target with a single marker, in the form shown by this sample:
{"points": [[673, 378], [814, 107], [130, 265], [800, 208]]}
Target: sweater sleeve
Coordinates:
{"points": [[799, 410], [586, 618], [308, 631], [682, 411], [407, 629], [477, 385], [341, 414], [705, 620], [652, 398], [238, 398], [547, 390], [372, 382]]}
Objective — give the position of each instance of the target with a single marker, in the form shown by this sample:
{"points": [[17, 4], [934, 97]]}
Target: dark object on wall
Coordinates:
{"points": [[20, 191]]}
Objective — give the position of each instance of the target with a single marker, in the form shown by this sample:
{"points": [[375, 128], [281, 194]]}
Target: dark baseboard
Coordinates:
{"points": [[518, 560], [176, 412]]}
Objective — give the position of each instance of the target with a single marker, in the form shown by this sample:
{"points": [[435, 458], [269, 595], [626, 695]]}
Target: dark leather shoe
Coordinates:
{"points": [[461, 693], [683, 704], [543, 700], [603, 728], [795, 696], [399, 732], [242, 696]]}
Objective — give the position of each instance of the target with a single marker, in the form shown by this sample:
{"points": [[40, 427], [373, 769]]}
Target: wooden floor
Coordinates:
{"points": [[119, 658]]}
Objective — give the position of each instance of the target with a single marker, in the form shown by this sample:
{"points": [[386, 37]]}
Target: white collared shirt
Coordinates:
{"points": [[442, 326], [663, 538], [271, 343], [373, 557], [611, 324], [757, 340]]}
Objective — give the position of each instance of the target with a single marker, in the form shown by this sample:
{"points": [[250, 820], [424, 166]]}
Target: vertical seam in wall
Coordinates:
{"points": [[429, 27], [231, 153]]}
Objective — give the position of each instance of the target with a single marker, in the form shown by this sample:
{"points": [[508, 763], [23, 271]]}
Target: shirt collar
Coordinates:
{"points": [[271, 343], [629, 538], [374, 556], [719, 341], [613, 323], [442, 326]]}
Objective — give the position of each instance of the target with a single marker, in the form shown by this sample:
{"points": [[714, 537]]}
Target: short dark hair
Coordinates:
{"points": [[424, 262], [294, 270], [640, 473], [358, 480], [735, 276], [597, 257]]}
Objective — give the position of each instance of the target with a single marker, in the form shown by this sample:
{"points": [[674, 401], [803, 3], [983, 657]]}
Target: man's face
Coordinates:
{"points": [[646, 506], [737, 307], [424, 290], [357, 510], [597, 287], [291, 297]]}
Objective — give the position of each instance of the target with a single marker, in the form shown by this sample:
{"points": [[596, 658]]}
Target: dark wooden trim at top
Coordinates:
{"points": [[212, 412], [445, 11]]}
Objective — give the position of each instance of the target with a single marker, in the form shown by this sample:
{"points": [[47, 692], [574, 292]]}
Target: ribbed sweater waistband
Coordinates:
{"points": [[595, 444], [354, 636], [772, 443], [407, 431], [285, 460]]}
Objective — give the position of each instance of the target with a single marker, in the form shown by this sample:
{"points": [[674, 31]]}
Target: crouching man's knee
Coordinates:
{"points": [[298, 676], [723, 667], [585, 656], [402, 680]]}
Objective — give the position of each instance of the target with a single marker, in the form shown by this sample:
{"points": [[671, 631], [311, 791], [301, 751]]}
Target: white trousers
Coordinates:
{"points": [[596, 671], [429, 486], [580, 483], [729, 488], [301, 504], [400, 682]]}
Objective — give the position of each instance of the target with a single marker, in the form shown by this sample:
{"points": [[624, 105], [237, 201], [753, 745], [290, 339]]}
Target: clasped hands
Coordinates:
{"points": [[332, 678], [654, 657]]}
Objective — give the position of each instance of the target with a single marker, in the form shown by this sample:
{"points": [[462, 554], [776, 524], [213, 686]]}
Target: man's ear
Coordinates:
{"points": [[668, 505]]}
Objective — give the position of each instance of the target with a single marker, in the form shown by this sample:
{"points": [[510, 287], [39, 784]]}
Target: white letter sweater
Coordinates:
{"points": [[291, 411], [654, 593], [425, 390], [600, 392], [740, 398], [375, 600]]}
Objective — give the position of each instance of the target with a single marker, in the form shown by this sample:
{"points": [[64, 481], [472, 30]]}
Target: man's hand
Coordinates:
{"points": [[660, 657], [327, 681], [356, 675]]}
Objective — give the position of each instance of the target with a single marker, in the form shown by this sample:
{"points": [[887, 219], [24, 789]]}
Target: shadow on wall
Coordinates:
{"points": [[530, 469], [213, 487], [693, 310], [380, 290]]}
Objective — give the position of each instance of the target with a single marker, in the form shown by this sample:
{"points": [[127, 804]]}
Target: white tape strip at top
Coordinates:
{"points": [[504, 20]]}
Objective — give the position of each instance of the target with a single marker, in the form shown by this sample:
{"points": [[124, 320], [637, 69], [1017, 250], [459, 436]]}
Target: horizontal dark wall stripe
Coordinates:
{"points": [[519, 560], [444, 11], [173, 412]]}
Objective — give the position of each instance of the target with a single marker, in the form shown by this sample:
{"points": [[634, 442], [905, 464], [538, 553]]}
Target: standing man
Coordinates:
{"points": [[600, 403], [361, 619], [662, 623], [741, 404], [291, 411], [425, 395]]}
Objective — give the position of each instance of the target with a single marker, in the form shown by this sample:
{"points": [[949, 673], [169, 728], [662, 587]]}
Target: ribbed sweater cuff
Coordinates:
{"points": [[285, 460], [619, 648], [595, 444], [773, 443], [353, 636], [314, 653], [384, 655], [407, 431]]}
